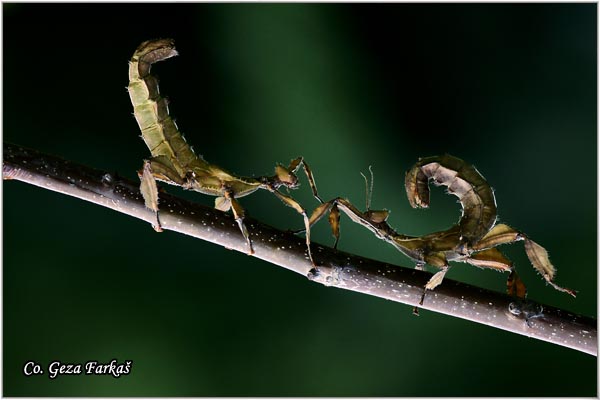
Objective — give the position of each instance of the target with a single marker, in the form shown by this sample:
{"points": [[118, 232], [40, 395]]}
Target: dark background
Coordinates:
{"points": [[510, 88]]}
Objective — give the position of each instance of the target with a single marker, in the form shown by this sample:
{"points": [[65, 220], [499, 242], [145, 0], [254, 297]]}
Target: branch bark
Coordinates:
{"points": [[336, 268]]}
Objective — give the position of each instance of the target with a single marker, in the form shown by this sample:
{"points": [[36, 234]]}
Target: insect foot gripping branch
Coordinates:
{"points": [[472, 240], [173, 161]]}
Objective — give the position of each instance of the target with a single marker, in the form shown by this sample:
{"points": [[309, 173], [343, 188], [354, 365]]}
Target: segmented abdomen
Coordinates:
{"points": [[462, 180], [151, 110]]}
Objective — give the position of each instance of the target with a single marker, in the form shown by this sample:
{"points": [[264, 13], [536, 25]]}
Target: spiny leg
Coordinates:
{"points": [[538, 256], [333, 217], [287, 177], [156, 168], [149, 191], [332, 206], [437, 259], [366, 219], [288, 201], [372, 219], [433, 282], [224, 204], [540, 260], [295, 165], [494, 259]]}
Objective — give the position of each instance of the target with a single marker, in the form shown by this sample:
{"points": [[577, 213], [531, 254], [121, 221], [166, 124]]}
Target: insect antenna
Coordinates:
{"points": [[368, 188]]}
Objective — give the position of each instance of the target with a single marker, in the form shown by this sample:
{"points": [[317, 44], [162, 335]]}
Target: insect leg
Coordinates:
{"points": [[334, 222], [156, 168], [540, 260], [437, 259], [434, 282], [320, 211], [420, 267], [149, 191], [372, 219], [224, 204], [538, 256], [288, 201], [295, 165], [333, 218], [494, 259]]}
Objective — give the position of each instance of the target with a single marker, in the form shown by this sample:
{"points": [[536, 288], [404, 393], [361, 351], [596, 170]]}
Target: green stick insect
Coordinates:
{"points": [[174, 162], [472, 240]]}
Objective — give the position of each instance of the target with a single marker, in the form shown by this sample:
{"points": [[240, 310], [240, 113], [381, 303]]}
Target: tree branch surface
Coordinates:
{"points": [[335, 268]]}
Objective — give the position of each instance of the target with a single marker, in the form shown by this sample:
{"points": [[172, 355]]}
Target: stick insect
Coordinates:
{"points": [[174, 161], [472, 240]]}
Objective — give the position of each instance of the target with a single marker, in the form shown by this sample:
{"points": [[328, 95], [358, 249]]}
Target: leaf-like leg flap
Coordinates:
{"points": [[295, 164], [499, 234], [538, 256], [490, 258], [494, 259], [286, 176], [149, 188], [238, 213], [288, 201], [163, 169], [319, 212], [222, 203], [149, 191], [541, 262], [334, 222], [436, 279], [439, 260], [515, 286], [352, 212], [540, 259], [433, 282]]}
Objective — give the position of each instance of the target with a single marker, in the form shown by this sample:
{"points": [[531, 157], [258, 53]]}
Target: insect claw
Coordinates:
{"points": [[313, 273], [335, 244], [157, 227], [415, 309]]}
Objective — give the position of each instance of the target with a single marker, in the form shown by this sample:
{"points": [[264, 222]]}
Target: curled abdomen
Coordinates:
{"points": [[151, 110], [462, 180]]}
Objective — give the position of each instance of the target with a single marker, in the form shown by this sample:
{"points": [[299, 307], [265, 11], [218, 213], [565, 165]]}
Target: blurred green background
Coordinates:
{"points": [[509, 88]]}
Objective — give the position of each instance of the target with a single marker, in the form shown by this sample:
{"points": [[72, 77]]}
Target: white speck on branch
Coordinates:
{"points": [[335, 268]]}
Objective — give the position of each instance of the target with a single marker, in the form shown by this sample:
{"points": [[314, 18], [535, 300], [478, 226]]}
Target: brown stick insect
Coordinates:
{"points": [[174, 161], [472, 240]]}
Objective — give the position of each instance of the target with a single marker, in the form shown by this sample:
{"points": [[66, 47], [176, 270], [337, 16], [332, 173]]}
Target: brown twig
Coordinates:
{"points": [[336, 268]]}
